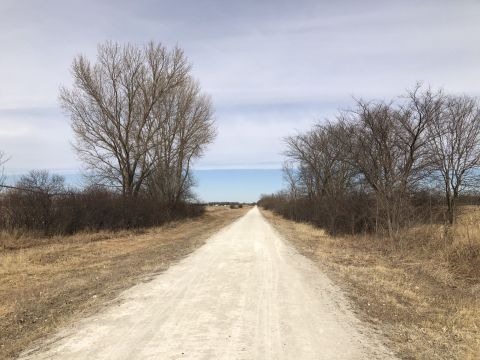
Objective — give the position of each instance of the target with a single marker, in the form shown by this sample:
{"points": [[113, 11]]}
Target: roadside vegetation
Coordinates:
{"points": [[392, 189], [41, 204]]}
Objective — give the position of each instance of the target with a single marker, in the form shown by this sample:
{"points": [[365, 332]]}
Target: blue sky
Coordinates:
{"points": [[237, 185], [272, 67]]}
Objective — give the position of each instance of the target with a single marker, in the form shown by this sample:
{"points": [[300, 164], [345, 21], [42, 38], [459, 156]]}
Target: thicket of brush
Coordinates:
{"points": [[358, 213], [41, 203]]}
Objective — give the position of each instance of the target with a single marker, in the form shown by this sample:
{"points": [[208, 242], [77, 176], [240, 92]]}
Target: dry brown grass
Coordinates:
{"points": [[45, 282], [422, 292]]}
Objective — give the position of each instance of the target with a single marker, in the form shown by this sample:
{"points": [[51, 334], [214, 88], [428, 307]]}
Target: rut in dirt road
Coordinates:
{"points": [[246, 294]]}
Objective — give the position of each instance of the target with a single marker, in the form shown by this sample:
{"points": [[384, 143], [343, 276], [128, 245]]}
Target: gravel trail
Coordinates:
{"points": [[246, 294]]}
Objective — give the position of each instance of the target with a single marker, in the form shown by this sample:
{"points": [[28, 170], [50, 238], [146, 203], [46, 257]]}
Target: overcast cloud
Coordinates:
{"points": [[271, 67]]}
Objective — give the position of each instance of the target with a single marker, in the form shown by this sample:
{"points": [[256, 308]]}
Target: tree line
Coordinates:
{"points": [[140, 119], [384, 165]]}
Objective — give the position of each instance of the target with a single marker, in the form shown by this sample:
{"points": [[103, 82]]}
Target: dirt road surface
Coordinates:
{"points": [[246, 294]]}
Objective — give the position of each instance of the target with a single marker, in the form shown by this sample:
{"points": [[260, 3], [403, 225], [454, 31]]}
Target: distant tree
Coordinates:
{"points": [[319, 169], [291, 177], [316, 169], [454, 148], [41, 182]]}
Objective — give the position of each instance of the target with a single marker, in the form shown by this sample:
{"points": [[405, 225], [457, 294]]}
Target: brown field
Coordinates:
{"points": [[422, 292], [46, 282]]}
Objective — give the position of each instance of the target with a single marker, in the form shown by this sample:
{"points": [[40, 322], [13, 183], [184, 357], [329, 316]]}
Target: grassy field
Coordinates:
{"points": [[422, 292], [47, 282]]}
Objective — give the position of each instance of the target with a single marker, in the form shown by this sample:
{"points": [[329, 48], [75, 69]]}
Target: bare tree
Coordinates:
{"points": [[302, 150], [454, 148], [185, 127], [41, 182], [385, 143], [111, 106], [317, 170], [318, 155], [33, 198], [423, 107], [291, 177]]}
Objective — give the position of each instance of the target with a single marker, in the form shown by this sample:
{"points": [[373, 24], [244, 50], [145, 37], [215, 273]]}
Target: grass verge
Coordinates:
{"points": [[47, 282], [425, 304]]}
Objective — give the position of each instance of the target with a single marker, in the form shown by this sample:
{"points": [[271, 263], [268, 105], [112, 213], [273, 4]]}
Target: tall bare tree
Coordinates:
{"points": [[318, 154], [454, 148], [316, 169], [3, 160], [111, 106], [185, 127]]}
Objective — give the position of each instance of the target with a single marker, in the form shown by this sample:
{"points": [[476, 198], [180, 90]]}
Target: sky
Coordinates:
{"points": [[272, 68]]}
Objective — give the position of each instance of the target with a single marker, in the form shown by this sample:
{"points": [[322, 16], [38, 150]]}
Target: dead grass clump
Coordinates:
{"points": [[464, 258], [456, 247]]}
